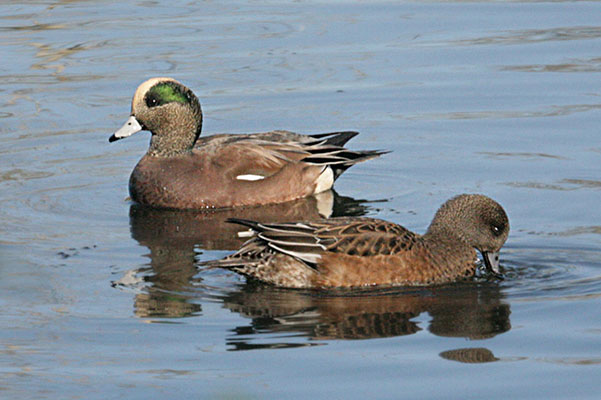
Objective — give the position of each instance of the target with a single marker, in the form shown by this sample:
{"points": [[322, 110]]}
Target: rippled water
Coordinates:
{"points": [[102, 298]]}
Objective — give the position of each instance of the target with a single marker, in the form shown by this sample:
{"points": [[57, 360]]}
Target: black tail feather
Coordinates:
{"points": [[335, 138], [342, 159]]}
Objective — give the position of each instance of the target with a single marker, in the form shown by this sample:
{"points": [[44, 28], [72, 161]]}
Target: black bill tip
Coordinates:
{"points": [[491, 262]]}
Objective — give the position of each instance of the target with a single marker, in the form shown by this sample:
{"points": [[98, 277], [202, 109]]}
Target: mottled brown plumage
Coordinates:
{"points": [[350, 252], [181, 170]]}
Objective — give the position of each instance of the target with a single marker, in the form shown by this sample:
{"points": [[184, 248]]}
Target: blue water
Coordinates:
{"points": [[103, 299]]}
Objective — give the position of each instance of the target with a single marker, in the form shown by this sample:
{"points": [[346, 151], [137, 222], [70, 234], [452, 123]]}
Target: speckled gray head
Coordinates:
{"points": [[167, 108], [485, 225]]}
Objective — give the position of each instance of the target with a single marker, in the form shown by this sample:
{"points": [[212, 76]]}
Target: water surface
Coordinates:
{"points": [[102, 298]]}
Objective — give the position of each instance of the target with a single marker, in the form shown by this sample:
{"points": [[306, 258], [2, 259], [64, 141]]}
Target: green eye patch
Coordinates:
{"points": [[166, 92]]}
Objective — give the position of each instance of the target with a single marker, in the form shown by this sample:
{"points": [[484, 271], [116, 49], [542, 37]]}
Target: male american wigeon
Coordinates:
{"points": [[181, 170], [349, 252]]}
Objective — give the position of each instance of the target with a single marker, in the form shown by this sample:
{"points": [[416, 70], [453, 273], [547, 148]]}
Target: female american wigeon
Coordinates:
{"points": [[181, 170], [349, 252]]}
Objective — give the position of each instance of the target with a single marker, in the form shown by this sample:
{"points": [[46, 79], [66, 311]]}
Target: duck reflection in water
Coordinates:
{"points": [[176, 237], [473, 310]]}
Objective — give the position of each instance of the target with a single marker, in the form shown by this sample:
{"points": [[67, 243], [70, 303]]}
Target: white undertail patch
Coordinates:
{"points": [[250, 177], [324, 181]]}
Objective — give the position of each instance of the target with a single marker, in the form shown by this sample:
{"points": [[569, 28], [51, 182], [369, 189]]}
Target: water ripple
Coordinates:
{"points": [[586, 65], [562, 185], [552, 273], [525, 36]]}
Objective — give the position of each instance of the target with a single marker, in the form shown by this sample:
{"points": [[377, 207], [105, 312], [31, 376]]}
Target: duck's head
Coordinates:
{"points": [[478, 221], [170, 111]]}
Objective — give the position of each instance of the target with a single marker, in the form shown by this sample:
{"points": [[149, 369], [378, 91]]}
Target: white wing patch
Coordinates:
{"points": [[247, 233], [250, 177]]}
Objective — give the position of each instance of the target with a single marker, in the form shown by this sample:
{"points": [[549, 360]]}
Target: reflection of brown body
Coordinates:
{"points": [[469, 310], [470, 355], [209, 230], [172, 236]]}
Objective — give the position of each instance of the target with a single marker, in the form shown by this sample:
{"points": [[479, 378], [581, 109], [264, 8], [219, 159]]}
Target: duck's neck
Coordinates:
{"points": [[169, 145], [449, 250], [176, 139], [444, 232]]}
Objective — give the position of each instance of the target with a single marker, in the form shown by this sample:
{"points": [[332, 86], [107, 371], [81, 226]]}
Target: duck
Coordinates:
{"points": [[347, 252], [182, 170]]}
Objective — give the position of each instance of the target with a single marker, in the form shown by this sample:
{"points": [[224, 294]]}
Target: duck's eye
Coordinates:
{"points": [[496, 230], [152, 100]]}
